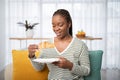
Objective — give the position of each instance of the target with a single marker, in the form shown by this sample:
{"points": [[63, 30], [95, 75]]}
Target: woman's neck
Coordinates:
{"points": [[65, 38]]}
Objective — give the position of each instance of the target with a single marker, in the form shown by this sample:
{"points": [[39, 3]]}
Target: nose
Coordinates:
{"points": [[56, 28]]}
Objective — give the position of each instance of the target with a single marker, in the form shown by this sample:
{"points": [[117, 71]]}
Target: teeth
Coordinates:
{"points": [[57, 34]]}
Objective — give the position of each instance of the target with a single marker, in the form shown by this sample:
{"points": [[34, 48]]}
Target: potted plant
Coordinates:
{"points": [[28, 28]]}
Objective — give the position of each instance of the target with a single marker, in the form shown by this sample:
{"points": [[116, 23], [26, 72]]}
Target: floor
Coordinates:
{"points": [[2, 75], [110, 74]]}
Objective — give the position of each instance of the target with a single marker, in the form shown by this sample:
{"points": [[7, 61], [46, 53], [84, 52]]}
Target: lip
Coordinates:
{"points": [[58, 33]]}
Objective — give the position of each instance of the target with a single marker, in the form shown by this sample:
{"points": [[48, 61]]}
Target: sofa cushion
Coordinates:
{"points": [[95, 65], [23, 69]]}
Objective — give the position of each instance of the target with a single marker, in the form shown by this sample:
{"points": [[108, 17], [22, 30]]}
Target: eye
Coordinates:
{"points": [[53, 26], [61, 24]]}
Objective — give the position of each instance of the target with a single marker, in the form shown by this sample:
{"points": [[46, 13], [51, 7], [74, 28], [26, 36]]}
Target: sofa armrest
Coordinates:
{"points": [[8, 72]]}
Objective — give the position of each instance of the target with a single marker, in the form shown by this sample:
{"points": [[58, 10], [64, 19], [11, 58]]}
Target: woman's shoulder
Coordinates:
{"points": [[77, 40], [80, 43]]}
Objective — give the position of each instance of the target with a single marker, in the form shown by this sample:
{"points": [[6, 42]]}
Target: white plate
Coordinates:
{"points": [[46, 60]]}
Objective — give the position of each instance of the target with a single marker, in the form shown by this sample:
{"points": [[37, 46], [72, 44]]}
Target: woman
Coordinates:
{"points": [[73, 56]]}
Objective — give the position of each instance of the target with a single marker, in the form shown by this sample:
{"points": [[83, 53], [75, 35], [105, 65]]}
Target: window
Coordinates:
{"points": [[98, 18]]}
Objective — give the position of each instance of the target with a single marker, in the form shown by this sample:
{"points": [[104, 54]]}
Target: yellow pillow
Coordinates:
{"points": [[23, 69]]}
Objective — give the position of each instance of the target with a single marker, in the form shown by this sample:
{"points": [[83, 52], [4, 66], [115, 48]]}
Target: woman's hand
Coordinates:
{"points": [[64, 63], [32, 49]]}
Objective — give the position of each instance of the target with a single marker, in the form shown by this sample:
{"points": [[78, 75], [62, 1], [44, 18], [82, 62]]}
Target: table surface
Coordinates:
{"points": [[83, 38], [15, 38], [90, 38]]}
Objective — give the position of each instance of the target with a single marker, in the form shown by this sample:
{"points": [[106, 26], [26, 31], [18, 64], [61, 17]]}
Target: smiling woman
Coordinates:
{"points": [[71, 53]]}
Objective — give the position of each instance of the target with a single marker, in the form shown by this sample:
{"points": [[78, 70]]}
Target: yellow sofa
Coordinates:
{"points": [[22, 69]]}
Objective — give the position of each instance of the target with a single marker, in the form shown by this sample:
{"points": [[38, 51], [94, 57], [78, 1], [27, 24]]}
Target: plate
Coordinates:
{"points": [[46, 60]]}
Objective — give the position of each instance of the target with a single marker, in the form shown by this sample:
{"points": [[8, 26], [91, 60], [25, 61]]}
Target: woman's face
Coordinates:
{"points": [[60, 26]]}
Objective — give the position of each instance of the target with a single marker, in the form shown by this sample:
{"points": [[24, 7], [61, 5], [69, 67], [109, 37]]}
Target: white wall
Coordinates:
{"points": [[2, 35]]}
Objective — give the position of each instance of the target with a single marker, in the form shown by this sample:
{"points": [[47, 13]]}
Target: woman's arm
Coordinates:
{"points": [[83, 67], [31, 50]]}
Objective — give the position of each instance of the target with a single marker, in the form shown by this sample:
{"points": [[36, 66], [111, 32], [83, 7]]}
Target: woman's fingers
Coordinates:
{"points": [[61, 63], [32, 49], [64, 63]]}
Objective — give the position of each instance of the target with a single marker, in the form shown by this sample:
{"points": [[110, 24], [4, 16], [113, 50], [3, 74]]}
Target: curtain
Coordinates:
{"points": [[98, 18], [113, 34]]}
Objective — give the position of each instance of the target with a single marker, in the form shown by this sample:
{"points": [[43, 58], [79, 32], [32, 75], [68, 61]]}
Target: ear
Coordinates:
{"points": [[69, 25]]}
